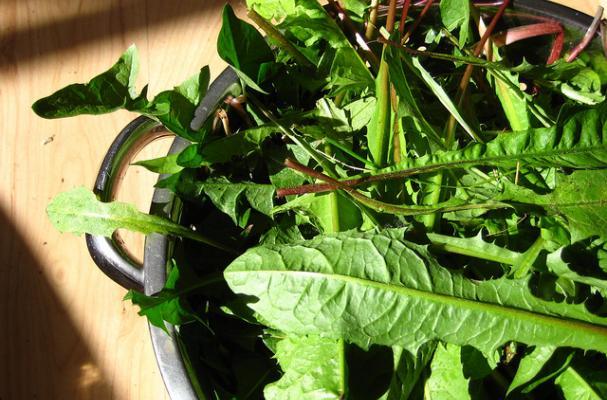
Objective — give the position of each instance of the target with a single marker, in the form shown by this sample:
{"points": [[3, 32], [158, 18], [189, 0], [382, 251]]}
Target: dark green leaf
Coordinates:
{"points": [[456, 15], [408, 370], [105, 93], [167, 305], [227, 196], [162, 165], [242, 46]]}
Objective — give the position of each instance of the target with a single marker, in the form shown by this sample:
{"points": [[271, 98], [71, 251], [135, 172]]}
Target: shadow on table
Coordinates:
{"points": [[117, 18], [41, 352]]}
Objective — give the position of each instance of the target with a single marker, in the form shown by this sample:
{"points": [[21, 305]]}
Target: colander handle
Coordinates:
{"points": [[109, 254]]}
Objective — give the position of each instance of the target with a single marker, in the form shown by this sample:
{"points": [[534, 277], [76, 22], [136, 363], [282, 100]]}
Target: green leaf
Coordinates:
{"points": [[166, 305], [379, 129], [579, 140], [530, 366], [360, 112], [475, 364], [176, 108], [456, 14], [408, 103], [225, 149], [474, 247], [558, 266], [78, 211], [313, 369], [330, 212], [162, 165], [318, 287], [242, 46], [357, 7], [408, 370], [579, 199], [442, 96], [447, 380], [227, 197], [582, 383], [515, 107], [584, 87], [348, 73], [105, 93], [115, 89]]}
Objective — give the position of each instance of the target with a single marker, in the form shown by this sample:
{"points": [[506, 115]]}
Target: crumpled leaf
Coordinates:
{"points": [[115, 89], [319, 287]]}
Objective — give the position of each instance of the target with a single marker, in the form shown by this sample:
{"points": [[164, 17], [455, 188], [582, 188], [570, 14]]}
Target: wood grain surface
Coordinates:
{"points": [[64, 331]]}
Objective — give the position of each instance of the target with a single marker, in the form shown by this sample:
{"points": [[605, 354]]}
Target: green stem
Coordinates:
{"points": [[527, 259], [189, 234], [469, 247]]}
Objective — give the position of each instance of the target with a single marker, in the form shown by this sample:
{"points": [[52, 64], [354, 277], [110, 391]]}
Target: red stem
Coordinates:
{"points": [[419, 18], [525, 32], [557, 48], [588, 36], [403, 17], [365, 50]]}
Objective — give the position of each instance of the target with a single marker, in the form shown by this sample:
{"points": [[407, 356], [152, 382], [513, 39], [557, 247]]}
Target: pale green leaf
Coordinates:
{"points": [[579, 199], [79, 211], [313, 369], [530, 366], [319, 287], [447, 380]]}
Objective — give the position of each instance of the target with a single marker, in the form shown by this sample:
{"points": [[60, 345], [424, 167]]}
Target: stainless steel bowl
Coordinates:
{"points": [[115, 261]]}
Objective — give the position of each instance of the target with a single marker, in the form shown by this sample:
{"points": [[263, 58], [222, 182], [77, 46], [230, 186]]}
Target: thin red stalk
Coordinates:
{"points": [[479, 48], [525, 32], [403, 17], [604, 36], [391, 16], [490, 28], [303, 189], [419, 18], [289, 163], [588, 36], [557, 48]]}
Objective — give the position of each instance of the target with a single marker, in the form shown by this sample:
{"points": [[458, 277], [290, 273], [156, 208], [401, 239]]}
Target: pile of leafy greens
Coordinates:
{"points": [[398, 201]]}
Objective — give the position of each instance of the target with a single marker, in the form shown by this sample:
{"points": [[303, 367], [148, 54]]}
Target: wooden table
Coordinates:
{"points": [[64, 331]]}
